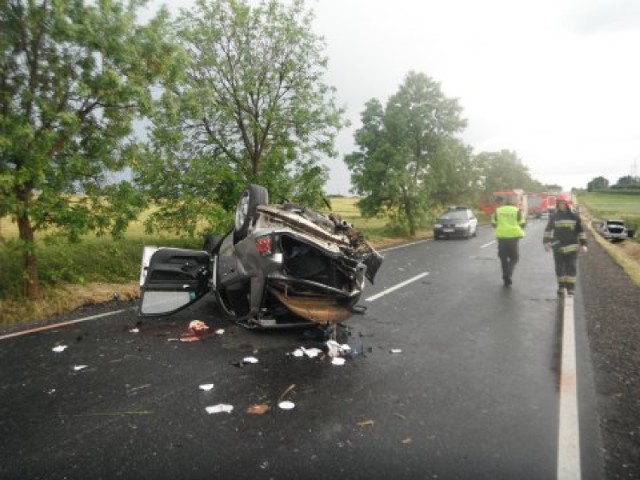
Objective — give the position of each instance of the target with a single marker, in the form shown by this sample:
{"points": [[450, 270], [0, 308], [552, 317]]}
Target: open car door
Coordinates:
{"points": [[172, 279]]}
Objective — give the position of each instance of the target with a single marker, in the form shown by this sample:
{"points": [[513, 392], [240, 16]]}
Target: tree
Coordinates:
{"points": [[504, 170], [598, 183], [551, 187], [407, 151], [248, 105], [73, 76], [628, 181]]}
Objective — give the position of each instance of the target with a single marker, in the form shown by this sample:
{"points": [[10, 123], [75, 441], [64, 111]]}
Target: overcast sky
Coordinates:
{"points": [[556, 81]]}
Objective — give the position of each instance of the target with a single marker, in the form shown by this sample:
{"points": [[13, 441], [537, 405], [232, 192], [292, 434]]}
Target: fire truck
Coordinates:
{"points": [[541, 203], [489, 203]]}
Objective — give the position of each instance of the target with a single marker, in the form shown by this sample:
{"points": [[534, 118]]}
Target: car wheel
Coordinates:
{"points": [[468, 234], [246, 209]]}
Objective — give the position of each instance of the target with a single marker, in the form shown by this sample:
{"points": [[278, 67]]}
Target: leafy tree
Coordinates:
{"points": [[551, 187], [628, 181], [73, 76], [406, 150], [598, 183], [248, 104], [504, 170]]}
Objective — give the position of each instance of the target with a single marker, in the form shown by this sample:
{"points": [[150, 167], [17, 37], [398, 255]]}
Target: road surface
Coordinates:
{"points": [[452, 376]]}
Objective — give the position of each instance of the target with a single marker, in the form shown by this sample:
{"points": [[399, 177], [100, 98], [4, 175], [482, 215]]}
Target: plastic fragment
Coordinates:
{"points": [[338, 361], [206, 386], [335, 349], [190, 339], [59, 348], [309, 352], [258, 409], [286, 405], [198, 326], [287, 390], [250, 360], [220, 331], [366, 423], [220, 408], [77, 368], [407, 440], [395, 350], [134, 330]]}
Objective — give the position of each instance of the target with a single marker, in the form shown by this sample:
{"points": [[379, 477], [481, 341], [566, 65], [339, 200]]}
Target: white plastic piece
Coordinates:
{"points": [[59, 348], [206, 387], [220, 408], [286, 405]]}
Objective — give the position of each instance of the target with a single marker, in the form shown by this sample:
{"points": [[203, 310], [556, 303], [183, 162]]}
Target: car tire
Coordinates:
{"points": [[246, 209]]}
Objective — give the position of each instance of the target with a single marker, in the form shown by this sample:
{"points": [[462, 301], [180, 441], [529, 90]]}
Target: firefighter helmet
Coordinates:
{"points": [[563, 197]]}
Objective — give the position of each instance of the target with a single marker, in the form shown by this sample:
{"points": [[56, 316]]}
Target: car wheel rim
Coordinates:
{"points": [[242, 211]]}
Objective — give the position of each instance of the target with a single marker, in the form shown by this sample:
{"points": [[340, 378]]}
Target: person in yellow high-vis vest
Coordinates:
{"points": [[508, 222]]}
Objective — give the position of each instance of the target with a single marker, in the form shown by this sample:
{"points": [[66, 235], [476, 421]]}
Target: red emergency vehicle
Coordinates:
{"points": [[490, 202]]}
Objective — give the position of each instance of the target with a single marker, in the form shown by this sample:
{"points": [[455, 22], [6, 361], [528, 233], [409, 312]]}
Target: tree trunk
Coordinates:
{"points": [[31, 284], [408, 209]]}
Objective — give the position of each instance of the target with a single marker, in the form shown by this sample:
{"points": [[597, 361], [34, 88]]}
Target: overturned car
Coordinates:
{"points": [[614, 230], [281, 265]]}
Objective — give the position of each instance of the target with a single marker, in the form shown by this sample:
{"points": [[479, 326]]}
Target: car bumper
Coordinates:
{"points": [[450, 232]]}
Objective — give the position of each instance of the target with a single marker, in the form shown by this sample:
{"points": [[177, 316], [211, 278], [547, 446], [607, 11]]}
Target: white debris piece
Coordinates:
{"points": [[220, 408], [286, 405], [59, 348], [206, 386], [250, 360], [396, 350], [309, 352], [77, 368], [220, 331], [338, 360], [134, 330], [335, 349]]}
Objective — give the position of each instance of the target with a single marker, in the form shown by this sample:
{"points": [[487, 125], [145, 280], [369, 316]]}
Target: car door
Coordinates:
{"points": [[172, 279]]}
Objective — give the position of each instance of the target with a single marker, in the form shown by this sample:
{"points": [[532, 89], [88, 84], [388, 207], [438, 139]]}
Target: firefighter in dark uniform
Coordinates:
{"points": [[565, 235]]}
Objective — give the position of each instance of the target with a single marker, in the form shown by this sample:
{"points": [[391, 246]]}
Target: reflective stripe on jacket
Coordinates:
{"points": [[508, 222], [564, 232]]}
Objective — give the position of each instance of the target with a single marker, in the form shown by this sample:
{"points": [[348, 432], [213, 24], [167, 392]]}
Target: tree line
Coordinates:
{"points": [[229, 92], [626, 182]]}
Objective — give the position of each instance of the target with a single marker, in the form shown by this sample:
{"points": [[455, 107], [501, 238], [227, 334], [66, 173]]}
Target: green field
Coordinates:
{"points": [[611, 204]]}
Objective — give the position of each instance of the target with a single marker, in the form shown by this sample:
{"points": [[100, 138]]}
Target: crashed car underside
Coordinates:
{"points": [[280, 265]]}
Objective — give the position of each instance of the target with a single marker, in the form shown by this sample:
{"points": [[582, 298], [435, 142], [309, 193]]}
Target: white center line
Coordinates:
{"points": [[395, 287], [568, 429], [492, 242]]}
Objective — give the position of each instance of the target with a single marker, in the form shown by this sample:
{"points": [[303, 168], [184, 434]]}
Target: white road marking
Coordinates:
{"points": [[568, 429], [404, 245], [395, 287], [492, 242], [58, 325]]}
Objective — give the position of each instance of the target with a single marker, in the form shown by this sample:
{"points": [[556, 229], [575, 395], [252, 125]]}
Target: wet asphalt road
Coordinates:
{"points": [[472, 394]]}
